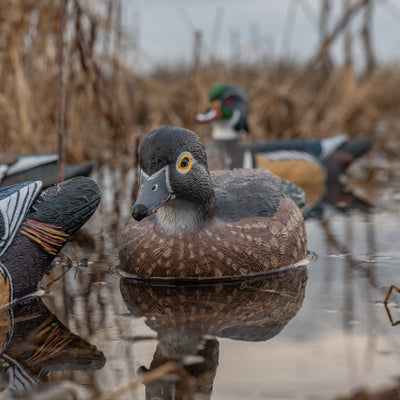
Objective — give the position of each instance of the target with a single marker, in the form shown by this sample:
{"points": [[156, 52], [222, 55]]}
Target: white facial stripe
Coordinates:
{"points": [[156, 174], [235, 117]]}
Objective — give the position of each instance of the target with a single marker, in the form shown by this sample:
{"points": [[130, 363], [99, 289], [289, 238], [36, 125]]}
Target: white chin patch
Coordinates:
{"points": [[176, 216]]}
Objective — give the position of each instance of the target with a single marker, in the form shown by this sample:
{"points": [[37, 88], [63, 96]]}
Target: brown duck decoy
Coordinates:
{"points": [[200, 225]]}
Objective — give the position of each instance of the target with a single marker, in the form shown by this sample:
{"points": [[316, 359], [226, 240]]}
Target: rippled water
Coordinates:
{"points": [[315, 332]]}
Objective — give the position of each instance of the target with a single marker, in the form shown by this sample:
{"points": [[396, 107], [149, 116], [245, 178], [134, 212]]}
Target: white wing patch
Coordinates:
{"points": [[289, 155]]}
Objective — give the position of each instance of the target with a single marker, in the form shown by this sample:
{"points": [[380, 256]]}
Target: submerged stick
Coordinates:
{"points": [[151, 376]]}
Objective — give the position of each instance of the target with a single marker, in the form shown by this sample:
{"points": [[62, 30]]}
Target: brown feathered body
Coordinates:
{"points": [[191, 223], [250, 244]]}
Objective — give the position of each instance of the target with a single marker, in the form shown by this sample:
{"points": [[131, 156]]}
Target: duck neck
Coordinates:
{"points": [[179, 215], [222, 131], [227, 129]]}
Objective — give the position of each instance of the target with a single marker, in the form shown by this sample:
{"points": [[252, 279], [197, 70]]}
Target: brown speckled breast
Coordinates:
{"points": [[250, 245]]}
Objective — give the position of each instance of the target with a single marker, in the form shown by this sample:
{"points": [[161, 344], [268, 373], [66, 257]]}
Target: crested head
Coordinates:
{"points": [[224, 90], [175, 180]]}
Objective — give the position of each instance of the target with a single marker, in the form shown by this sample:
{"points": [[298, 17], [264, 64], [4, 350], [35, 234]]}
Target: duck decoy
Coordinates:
{"points": [[17, 168], [34, 226], [201, 225], [302, 161]]}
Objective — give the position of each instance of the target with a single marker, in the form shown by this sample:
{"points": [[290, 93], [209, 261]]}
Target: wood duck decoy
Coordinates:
{"points": [[35, 225], [302, 161], [201, 225], [17, 168]]}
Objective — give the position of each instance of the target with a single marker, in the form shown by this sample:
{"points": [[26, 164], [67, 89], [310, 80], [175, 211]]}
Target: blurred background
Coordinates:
{"points": [[311, 68]]}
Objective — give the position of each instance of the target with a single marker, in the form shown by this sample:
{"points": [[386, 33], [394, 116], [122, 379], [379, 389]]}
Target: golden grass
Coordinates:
{"points": [[109, 106]]}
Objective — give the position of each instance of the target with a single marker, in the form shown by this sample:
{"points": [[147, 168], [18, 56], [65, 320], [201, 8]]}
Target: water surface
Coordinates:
{"points": [[315, 332]]}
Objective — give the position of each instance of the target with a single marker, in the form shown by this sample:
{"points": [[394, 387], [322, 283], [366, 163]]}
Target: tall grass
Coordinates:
{"points": [[109, 106]]}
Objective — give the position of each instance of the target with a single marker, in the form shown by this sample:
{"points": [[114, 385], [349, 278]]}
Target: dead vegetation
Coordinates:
{"points": [[109, 106]]}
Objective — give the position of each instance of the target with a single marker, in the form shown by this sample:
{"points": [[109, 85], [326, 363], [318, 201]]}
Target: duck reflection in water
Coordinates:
{"points": [[189, 319], [35, 344], [337, 199]]}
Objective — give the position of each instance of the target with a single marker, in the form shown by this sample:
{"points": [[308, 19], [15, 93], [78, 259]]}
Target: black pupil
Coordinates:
{"points": [[184, 162]]}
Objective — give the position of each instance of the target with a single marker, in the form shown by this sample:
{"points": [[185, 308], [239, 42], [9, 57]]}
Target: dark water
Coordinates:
{"points": [[315, 332]]}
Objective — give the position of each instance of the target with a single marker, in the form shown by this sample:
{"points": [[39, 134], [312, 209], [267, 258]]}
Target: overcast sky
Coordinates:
{"points": [[164, 29]]}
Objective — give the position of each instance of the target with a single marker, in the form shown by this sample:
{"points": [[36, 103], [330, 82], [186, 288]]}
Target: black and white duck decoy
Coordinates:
{"points": [[302, 161], [17, 168], [35, 225], [201, 225]]}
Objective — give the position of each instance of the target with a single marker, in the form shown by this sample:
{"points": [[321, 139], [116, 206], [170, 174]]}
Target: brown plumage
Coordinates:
{"points": [[229, 223], [250, 245]]}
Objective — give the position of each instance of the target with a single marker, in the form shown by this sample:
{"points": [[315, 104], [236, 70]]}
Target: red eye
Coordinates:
{"points": [[229, 100]]}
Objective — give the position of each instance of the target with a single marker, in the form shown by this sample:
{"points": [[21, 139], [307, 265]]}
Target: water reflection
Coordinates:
{"points": [[336, 198], [35, 344], [189, 319], [340, 340]]}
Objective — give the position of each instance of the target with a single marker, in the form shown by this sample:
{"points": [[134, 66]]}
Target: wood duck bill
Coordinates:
{"points": [[211, 114], [154, 192]]}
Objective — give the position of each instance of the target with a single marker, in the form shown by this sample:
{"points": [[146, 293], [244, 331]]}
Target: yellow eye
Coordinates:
{"points": [[184, 162]]}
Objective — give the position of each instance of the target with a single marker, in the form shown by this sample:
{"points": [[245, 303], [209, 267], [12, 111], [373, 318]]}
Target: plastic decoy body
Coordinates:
{"points": [[200, 225], [35, 225]]}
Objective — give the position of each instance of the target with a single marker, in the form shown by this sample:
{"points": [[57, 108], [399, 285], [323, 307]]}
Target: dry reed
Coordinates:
{"points": [[110, 106]]}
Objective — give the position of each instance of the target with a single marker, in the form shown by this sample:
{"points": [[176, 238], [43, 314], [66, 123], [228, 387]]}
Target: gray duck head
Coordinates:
{"points": [[175, 180]]}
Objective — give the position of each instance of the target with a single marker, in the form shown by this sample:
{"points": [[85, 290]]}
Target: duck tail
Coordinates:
{"points": [[58, 213], [294, 192], [355, 148], [344, 156]]}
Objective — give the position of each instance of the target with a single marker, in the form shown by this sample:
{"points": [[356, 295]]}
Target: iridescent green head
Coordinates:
{"points": [[228, 104]]}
